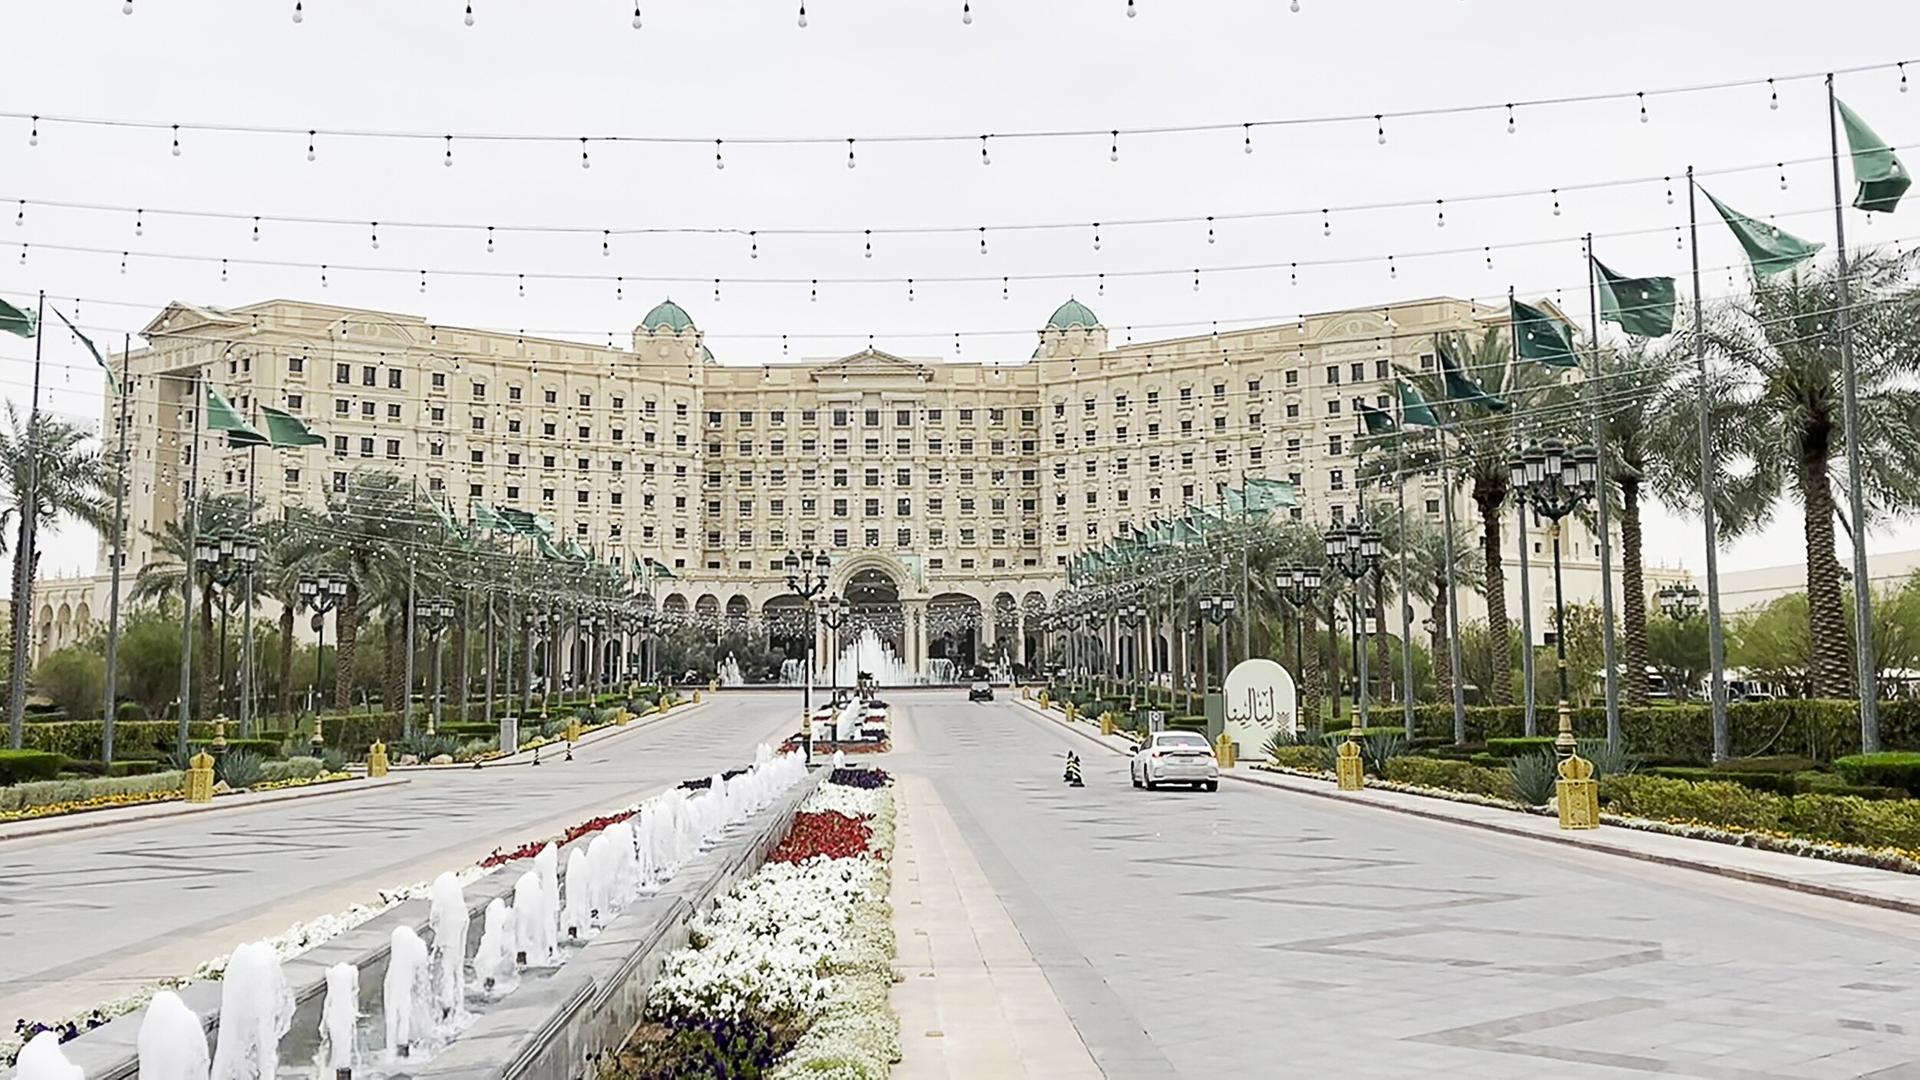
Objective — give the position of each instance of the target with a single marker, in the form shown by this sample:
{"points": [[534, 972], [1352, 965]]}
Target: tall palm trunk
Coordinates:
{"points": [[1829, 665], [1633, 598], [1384, 672], [209, 653], [1442, 658], [457, 693], [19, 634], [286, 659], [346, 618], [395, 690], [1489, 497], [1310, 674]]}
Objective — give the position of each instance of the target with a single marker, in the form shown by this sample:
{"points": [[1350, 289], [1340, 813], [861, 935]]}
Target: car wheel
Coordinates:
{"points": [[1136, 781], [1151, 785], [1213, 785]]}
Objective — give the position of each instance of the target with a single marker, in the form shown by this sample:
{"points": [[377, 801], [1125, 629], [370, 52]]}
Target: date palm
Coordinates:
{"points": [[1780, 351], [368, 527], [69, 479], [161, 579]]}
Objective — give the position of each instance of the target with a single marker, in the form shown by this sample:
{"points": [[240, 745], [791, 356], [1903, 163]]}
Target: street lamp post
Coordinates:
{"points": [[833, 615], [321, 593], [1298, 585], [807, 579], [1354, 552], [435, 615], [1092, 621], [1217, 609], [1131, 615], [1555, 481], [590, 622], [226, 558]]}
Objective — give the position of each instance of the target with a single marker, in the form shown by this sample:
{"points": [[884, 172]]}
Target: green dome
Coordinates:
{"points": [[667, 316], [1073, 315]]}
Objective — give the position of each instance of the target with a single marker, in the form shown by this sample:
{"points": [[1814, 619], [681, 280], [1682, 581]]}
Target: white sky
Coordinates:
{"points": [[734, 69]]}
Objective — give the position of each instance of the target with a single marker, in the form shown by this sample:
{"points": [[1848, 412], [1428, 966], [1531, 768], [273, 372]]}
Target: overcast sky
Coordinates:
{"points": [[734, 69]]}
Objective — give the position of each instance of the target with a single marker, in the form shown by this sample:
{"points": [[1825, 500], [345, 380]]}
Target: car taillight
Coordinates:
{"points": [[1156, 753]]}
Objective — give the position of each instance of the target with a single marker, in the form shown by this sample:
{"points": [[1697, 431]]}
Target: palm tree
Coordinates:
{"points": [[1427, 577], [289, 545], [1483, 442], [368, 528], [1781, 352], [162, 579], [1647, 420], [68, 479]]}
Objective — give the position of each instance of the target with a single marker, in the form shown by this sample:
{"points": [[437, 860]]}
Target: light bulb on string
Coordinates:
{"points": [[423, 282], [1679, 239], [311, 135], [1440, 213], [23, 253], [716, 290], [323, 275], [374, 234], [983, 239], [850, 160], [636, 16], [1773, 96], [909, 290], [176, 140], [753, 242], [1196, 279], [966, 13], [1096, 236], [606, 243], [1326, 222], [1903, 76], [803, 15], [619, 288], [783, 344], [299, 15], [489, 239], [1642, 95], [1488, 252], [1669, 181], [20, 218], [813, 293], [1005, 292], [256, 228], [1131, 10], [585, 161], [126, 8], [1102, 287], [139, 219], [223, 269], [1511, 126], [448, 160], [1294, 7], [1246, 137], [1380, 128], [33, 133], [869, 236], [1393, 269], [1783, 175], [469, 18], [1114, 153], [718, 161], [123, 262], [984, 158], [1209, 228], [1293, 273], [956, 343], [1556, 202], [523, 285]]}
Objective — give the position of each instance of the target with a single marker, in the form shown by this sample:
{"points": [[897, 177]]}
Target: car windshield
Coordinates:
{"points": [[979, 686], [1186, 740]]}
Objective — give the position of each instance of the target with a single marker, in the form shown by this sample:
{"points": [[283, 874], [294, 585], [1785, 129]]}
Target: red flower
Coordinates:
{"points": [[831, 834]]}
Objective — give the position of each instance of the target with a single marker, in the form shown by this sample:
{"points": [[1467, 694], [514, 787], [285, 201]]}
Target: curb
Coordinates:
{"points": [[171, 809], [525, 757], [1754, 877]]}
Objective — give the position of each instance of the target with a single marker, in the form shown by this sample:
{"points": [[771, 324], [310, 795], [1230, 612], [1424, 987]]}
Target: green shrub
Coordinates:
{"points": [[1826, 783], [333, 760], [1533, 776], [1488, 761], [130, 711], [1380, 748], [1280, 740], [1714, 802], [304, 768], [1520, 747], [1775, 763], [238, 768], [1187, 723], [1304, 756], [1336, 736], [1450, 775], [83, 738], [21, 766], [1778, 783], [1892, 769], [428, 747], [469, 730], [261, 748], [44, 792]]}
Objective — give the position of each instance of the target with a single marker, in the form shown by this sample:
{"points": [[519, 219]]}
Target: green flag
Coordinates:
{"points": [[286, 431], [483, 517], [1542, 337], [1379, 425], [1642, 307], [1881, 176], [16, 322], [660, 569], [444, 512], [1414, 410], [1461, 388], [1770, 250], [545, 548], [574, 551], [222, 417], [112, 383], [1264, 494]]}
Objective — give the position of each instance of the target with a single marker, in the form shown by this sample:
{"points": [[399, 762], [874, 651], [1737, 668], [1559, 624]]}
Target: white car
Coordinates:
{"points": [[1175, 757]]}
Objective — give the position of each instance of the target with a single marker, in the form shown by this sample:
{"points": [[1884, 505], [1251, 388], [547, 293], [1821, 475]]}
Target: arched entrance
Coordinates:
{"points": [[953, 630], [873, 639]]}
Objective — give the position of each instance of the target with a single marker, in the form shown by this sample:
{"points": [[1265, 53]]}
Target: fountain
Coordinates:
{"points": [[256, 1010], [576, 916], [793, 672], [172, 1041], [447, 917], [839, 760], [493, 964], [42, 1059], [407, 993], [529, 912], [875, 657], [547, 865], [338, 1015], [730, 672], [942, 670]]}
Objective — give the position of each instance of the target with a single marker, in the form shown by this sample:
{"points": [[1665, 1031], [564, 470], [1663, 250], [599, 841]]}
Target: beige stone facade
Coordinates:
{"points": [[954, 492]]}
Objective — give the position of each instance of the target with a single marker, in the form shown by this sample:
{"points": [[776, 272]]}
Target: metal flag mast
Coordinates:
{"points": [[1597, 394], [1716, 640], [108, 717], [1527, 696]]}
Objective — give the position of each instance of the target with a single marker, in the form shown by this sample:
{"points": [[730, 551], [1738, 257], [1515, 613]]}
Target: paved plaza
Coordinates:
{"points": [[88, 915], [1258, 932]]}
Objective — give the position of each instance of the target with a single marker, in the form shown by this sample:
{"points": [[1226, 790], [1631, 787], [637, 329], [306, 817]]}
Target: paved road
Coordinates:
{"points": [[1251, 932], [89, 914]]}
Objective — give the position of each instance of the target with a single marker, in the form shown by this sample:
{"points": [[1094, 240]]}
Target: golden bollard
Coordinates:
{"points": [[1106, 723], [1069, 710], [573, 729], [1223, 751], [1350, 770], [1044, 702], [1578, 794], [664, 704], [376, 761], [713, 686], [696, 697], [200, 778], [621, 716], [219, 746]]}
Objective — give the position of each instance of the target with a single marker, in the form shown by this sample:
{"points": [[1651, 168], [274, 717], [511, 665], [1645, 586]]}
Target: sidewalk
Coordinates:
{"points": [[1818, 877], [123, 815], [971, 999], [640, 722]]}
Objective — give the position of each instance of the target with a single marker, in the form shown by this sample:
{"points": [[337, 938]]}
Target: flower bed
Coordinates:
{"points": [[828, 746], [788, 975]]}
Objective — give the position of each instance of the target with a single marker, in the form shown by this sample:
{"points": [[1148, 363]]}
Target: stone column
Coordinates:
{"points": [[1020, 636]]}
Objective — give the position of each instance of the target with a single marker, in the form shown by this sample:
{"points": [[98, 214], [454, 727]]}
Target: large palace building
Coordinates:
{"points": [[935, 485]]}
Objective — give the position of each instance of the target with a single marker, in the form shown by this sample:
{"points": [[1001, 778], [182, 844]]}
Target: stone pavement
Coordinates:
{"points": [[126, 815], [1256, 931], [89, 915], [972, 1003]]}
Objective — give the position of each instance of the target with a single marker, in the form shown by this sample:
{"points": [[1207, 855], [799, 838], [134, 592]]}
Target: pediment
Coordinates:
{"points": [[179, 316], [870, 363]]}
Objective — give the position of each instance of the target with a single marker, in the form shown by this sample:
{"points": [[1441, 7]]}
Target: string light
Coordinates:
{"points": [[1488, 251], [1440, 208], [1380, 127], [1669, 181], [20, 218], [1293, 273], [1196, 279], [23, 253], [1326, 222], [223, 274], [984, 159], [489, 239], [323, 275], [966, 13], [814, 290], [869, 243], [1783, 176], [523, 286], [1246, 131], [1773, 96], [123, 262], [1096, 236], [1006, 292], [469, 18], [1511, 126], [1294, 7], [1393, 270], [256, 229], [373, 229], [983, 239], [33, 134], [718, 161], [1114, 154], [850, 161], [1209, 228], [1102, 290], [423, 282], [311, 137], [783, 345], [126, 8], [753, 241], [606, 243], [716, 290], [956, 333], [1556, 202], [1131, 11], [803, 14], [1903, 76], [449, 158], [299, 16], [909, 290], [619, 288], [585, 161], [138, 222], [636, 16], [176, 140]]}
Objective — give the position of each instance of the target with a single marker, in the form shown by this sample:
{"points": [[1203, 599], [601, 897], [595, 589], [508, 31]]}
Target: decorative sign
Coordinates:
{"points": [[1156, 721], [1259, 699]]}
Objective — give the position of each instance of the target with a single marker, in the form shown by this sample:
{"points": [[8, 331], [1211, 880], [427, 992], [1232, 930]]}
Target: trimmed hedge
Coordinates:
{"points": [[46, 792], [1893, 769], [266, 748], [1520, 746], [1304, 756], [1451, 775], [1841, 819], [1335, 737], [82, 739], [22, 766], [1821, 730], [121, 767], [1759, 780]]}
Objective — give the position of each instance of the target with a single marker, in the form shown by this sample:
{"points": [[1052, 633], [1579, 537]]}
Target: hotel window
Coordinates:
{"points": [[934, 414], [1336, 479], [873, 537], [936, 537], [839, 508], [550, 396], [1333, 374], [966, 416], [777, 416], [1357, 370], [1333, 406], [513, 393], [366, 410], [1333, 444], [1293, 378], [1153, 398], [872, 508], [903, 537], [1293, 410], [341, 406], [393, 380], [935, 504]]}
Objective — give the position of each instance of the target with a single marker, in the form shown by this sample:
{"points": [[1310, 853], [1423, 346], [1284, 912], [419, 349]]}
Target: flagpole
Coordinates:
{"points": [[246, 592], [405, 705], [196, 406], [1453, 598], [119, 538], [1869, 690], [1530, 717], [1609, 658], [1406, 607], [1246, 591], [1716, 641], [23, 557]]}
